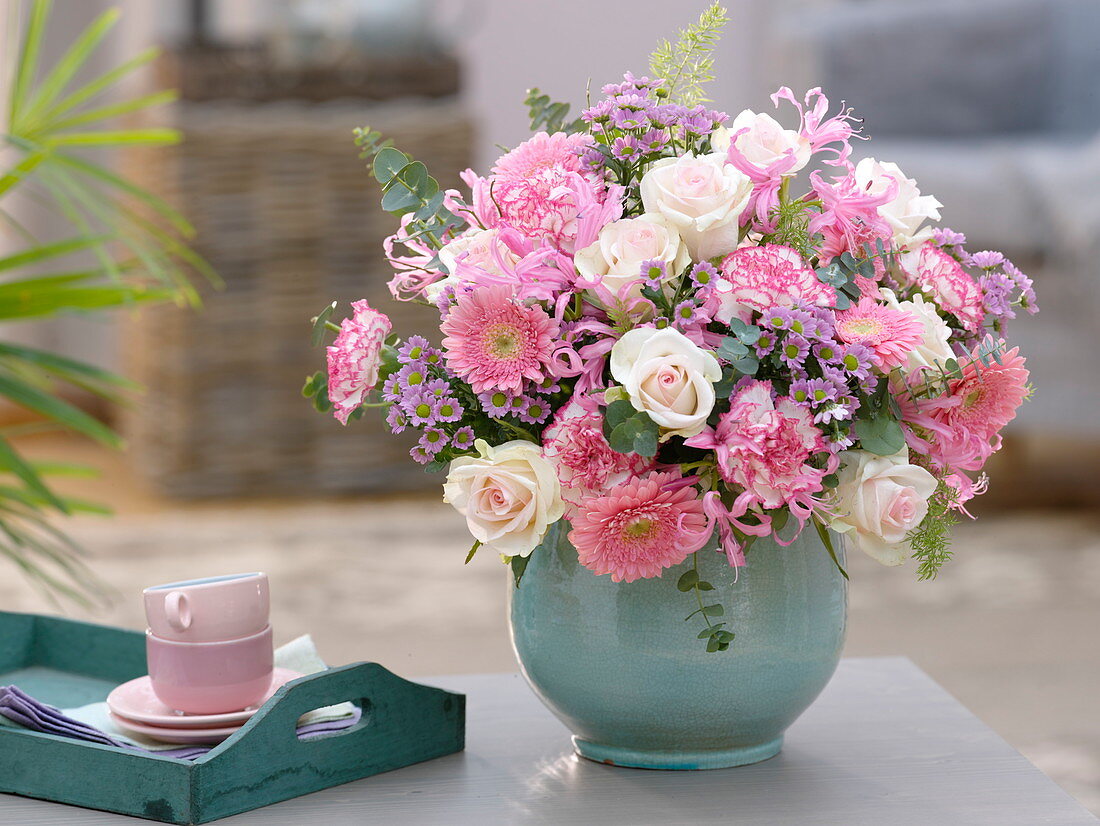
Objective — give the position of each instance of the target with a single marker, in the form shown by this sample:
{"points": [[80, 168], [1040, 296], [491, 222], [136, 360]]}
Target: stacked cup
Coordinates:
{"points": [[208, 643]]}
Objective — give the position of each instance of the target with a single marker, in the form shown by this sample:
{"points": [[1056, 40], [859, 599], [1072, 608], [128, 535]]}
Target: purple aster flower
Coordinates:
{"points": [[535, 410], [945, 237], [1024, 284], [766, 343], [421, 408], [463, 438], [433, 440], [813, 392], [420, 455], [703, 275], [549, 385], [688, 313], [413, 349], [411, 377], [986, 259], [496, 403], [857, 361], [653, 141], [794, 349], [396, 419], [654, 273], [449, 410], [626, 149], [828, 351], [437, 387]]}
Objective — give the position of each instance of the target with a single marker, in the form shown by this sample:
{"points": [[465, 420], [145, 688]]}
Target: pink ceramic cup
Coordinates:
{"points": [[210, 677], [208, 610]]}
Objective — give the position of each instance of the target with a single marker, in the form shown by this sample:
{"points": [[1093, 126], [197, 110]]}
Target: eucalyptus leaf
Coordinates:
{"points": [[881, 435]]}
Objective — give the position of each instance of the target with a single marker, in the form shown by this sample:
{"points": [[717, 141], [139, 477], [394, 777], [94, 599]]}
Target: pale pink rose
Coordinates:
{"points": [[355, 357], [668, 377], [510, 495], [878, 500], [616, 259], [765, 144], [907, 210], [702, 196]]}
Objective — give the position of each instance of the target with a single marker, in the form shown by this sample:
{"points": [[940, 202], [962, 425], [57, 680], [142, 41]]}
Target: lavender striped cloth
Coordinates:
{"points": [[22, 709]]}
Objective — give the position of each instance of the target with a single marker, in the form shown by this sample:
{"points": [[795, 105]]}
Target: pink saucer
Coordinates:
{"points": [[183, 736], [135, 702]]}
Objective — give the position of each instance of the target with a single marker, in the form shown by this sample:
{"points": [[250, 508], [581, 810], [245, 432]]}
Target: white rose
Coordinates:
{"points": [[616, 258], [765, 143], [510, 495], [878, 500], [479, 248], [908, 210], [668, 377], [934, 346], [702, 196]]}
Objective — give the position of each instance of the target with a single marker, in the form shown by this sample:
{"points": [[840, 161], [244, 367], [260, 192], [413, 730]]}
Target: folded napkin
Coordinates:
{"points": [[94, 724]]}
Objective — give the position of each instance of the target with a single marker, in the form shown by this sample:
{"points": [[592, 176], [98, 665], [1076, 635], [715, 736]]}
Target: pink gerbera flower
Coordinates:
{"points": [[354, 358], [962, 429], [494, 342], [772, 275], [765, 446], [937, 273], [640, 527], [891, 334]]}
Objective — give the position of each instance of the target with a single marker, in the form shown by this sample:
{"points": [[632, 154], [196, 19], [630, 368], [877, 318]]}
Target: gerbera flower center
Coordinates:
{"points": [[863, 327], [503, 341], [640, 528]]}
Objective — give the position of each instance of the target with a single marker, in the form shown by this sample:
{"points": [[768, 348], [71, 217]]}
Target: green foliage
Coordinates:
{"points": [[792, 227], [827, 541], [407, 187], [134, 241], [689, 62], [716, 636], [629, 430], [930, 541], [547, 115], [518, 564]]}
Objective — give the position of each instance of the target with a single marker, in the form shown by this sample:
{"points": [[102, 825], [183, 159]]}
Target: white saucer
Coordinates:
{"points": [[184, 736], [136, 703]]}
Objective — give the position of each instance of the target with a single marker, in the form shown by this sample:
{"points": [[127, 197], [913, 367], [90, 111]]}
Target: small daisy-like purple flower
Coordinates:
{"points": [[535, 410], [420, 454], [654, 273], [496, 403], [987, 259], [626, 149], [437, 387], [412, 377], [687, 313], [813, 392], [945, 237], [449, 410], [766, 343], [630, 116], [653, 141], [840, 410], [413, 349], [660, 322], [421, 408], [396, 419], [703, 275], [433, 440], [1024, 284], [463, 438], [857, 361], [548, 385], [390, 390], [793, 350], [828, 351]]}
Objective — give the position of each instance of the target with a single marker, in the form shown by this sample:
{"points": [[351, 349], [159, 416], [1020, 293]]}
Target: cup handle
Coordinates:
{"points": [[177, 611]]}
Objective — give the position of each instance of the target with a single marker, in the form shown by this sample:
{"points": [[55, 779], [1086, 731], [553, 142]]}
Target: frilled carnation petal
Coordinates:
{"points": [[354, 358]]}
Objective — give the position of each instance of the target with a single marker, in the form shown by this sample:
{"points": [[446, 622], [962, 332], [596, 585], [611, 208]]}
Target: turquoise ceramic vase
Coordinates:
{"points": [[617, 663]]}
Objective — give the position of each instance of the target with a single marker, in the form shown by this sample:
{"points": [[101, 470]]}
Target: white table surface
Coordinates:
{"points": [[883, 746]]}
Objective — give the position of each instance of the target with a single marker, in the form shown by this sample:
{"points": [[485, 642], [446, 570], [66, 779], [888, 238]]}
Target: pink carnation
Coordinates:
{"points": [[891, 334], [962, 429], [640, 527], [540, 188], [758, 278], [937, 273], [354, 358], [494, 342], [765, 446], [586, 464]]}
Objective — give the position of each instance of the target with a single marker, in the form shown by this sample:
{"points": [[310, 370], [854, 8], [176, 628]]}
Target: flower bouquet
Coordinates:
{"points": [[667, 334]]}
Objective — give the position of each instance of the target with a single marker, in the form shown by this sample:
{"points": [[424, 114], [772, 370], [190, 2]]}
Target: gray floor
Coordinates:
{"points": [[1010, 628]]}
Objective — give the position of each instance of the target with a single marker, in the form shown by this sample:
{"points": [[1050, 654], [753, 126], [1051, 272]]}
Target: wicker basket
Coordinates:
{"points": [[288, 215]]}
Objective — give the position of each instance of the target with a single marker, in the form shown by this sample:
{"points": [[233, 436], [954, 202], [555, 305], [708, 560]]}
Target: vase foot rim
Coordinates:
{"points": [[677, 760]]}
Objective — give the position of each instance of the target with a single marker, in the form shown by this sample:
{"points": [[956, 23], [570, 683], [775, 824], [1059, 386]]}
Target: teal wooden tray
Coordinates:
{"points": [[68, 663]]}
